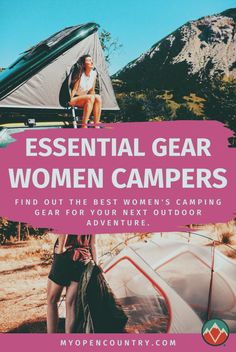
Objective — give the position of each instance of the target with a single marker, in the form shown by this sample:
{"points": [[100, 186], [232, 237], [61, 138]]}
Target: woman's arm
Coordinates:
{"points": [[75, 88], [61, 243], [93, 248]]}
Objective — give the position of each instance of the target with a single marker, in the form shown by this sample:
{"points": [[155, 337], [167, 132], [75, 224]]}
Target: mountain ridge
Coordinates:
{"points": [[195, 52]]}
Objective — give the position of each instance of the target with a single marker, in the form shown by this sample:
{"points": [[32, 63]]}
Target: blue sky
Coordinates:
{"points": [[137, 24]]}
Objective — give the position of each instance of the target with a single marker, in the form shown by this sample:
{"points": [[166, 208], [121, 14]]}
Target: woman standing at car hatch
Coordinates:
{"points": [[91, 306], [71, 255], [83, 95]]}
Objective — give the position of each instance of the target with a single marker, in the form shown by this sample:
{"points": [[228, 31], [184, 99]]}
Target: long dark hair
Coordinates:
{"points": [[78, 69]]}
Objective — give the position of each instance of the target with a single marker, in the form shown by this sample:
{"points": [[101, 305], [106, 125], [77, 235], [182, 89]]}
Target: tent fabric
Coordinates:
{"points": [[144, 304], [44, 88], [134, 282], [181, 274]]}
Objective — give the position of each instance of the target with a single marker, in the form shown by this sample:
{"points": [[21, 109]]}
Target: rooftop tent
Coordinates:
{"points": [[167, 285], [37, 79]]}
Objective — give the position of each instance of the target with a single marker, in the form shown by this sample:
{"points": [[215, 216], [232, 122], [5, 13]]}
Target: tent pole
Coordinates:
{"points": [[74, 117], [211, 283]]}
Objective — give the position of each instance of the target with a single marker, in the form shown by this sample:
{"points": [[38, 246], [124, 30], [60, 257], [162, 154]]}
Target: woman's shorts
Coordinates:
{"points": [[64, 269]]}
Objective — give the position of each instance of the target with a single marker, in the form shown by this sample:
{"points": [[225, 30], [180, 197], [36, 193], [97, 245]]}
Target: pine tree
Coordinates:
{"points": [[221, 102], [184, 113]]}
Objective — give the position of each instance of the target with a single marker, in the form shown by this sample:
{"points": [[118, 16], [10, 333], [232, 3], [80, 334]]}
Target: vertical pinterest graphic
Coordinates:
{"points": [[117, 182]]}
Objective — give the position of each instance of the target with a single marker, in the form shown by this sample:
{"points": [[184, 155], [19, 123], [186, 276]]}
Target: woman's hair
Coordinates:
{"points": [[78, 69]]}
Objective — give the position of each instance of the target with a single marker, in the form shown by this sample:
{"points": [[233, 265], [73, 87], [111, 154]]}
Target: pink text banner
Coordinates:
{"points": [[130, 177]]}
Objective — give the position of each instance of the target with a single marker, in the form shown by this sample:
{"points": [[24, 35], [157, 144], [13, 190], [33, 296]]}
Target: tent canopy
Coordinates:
{"points": [[40, 78], [172, 279]]}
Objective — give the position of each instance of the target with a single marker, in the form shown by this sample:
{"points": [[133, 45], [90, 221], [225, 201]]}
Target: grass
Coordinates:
{"points": [[224, 235], [227, 237], [25, 249]]}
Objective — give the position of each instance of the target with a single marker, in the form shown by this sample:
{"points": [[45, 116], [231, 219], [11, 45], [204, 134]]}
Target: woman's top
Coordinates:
{"points": [[77, 241], [79, 246], [86, 82]]}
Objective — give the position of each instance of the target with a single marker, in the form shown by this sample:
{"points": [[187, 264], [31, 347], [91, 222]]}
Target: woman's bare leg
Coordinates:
{"points": [[53, 296], [71, 298], [97, 109], [87, 102]]}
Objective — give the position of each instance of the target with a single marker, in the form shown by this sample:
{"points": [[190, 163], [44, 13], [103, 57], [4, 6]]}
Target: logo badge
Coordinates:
{"points": [[215, 332]]}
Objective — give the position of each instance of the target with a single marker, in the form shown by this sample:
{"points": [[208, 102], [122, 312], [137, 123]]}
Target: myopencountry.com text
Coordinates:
{"points": [[117, 342]]}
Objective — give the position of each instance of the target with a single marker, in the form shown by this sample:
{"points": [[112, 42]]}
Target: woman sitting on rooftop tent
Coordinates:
{"points": [[83, 95]]}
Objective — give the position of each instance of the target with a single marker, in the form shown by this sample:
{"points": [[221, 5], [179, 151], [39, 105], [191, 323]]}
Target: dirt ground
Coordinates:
{"points": [[23, 277], [24, 267]]}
